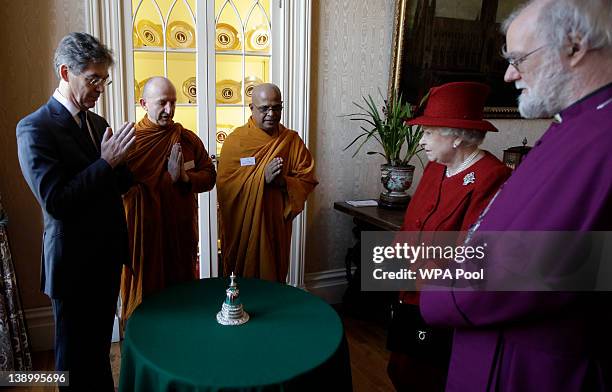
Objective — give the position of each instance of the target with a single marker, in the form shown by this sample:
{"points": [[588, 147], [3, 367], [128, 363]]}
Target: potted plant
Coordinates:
{"points": [[399, 143]]}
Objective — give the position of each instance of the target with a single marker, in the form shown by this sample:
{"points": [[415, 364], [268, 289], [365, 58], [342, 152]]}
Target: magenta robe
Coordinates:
{"points": [[541, 341]]}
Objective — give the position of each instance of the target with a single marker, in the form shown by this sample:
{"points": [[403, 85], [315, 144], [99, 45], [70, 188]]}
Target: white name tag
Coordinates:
{"points": [[188, 165], [250, 161]]}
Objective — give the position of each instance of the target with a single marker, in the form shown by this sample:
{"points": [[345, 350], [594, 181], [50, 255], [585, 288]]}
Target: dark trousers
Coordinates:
{"points": [[83, 332], [420, 354]]}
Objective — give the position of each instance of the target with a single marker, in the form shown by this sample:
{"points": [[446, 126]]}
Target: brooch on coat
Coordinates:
{"points": [[469, 178]]}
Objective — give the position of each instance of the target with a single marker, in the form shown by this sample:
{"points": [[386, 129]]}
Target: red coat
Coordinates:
{"points": [[446, 204]]}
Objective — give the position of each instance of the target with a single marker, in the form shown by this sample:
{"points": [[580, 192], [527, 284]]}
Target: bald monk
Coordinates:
{"points": [[265, 175], [170, 166]]}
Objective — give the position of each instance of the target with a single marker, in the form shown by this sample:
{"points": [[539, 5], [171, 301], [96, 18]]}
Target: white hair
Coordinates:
{"points": [[561, 23], [470, 137], [506, 23], [589, 20], [550, 91], [563, 20]]}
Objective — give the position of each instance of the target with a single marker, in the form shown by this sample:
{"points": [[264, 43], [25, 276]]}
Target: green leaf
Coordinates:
{"points": [[387, 127]]}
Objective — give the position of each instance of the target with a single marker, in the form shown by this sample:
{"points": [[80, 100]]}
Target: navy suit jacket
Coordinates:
{"points": [[85, 236]]}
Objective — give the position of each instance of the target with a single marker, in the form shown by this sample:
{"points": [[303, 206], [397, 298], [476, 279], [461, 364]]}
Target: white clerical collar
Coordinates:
{"points": [[603, 105], [74, 111]]}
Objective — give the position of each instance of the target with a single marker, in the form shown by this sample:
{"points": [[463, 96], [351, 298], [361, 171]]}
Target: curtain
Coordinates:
{"points": [[14, 343]]}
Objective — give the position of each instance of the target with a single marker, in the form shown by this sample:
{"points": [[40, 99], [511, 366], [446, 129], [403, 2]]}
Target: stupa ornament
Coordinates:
{"points": [[232, 312]]}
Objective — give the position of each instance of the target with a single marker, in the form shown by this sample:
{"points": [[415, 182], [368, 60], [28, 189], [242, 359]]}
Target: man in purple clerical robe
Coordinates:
{"points": [[560, 56]]}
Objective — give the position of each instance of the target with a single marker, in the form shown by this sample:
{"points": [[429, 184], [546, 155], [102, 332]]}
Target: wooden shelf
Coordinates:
{"points": [[239, 53], [182, 105], [157, 49]]}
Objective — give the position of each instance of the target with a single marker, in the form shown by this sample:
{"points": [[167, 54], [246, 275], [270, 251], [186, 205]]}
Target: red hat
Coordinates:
{"points": [[456, 105]]}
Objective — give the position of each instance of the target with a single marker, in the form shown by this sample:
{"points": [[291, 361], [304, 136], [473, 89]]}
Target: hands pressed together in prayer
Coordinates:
{"points": [[116, 145], [272, 171], [176, 166]]}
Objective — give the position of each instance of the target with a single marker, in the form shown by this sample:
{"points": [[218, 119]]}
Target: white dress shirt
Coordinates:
{"points": [[74, 112]]}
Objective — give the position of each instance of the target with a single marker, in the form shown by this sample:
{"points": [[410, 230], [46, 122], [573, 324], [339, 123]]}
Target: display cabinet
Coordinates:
{"points": [[214, 52], [165, 42]]}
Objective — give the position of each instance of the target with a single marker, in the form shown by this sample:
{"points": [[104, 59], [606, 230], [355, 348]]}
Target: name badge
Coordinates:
{"points": [[188, 165], [250, 161]]}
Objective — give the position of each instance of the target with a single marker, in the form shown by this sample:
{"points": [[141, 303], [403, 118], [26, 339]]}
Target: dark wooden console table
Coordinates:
{"points": [[380, 218], [367, 304]]}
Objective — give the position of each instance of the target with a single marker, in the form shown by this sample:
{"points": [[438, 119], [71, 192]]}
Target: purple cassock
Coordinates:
{"points": [[541, 341]]}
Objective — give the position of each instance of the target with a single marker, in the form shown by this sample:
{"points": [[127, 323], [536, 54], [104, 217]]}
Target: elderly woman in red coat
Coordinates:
{"points": [[456, 186]]}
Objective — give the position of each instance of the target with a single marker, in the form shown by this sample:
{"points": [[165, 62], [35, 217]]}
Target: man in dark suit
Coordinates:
{"points": [[73, 162]]}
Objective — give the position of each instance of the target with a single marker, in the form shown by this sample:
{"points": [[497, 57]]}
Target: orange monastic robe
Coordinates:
{"points": [[161, 216], [255, 216]]}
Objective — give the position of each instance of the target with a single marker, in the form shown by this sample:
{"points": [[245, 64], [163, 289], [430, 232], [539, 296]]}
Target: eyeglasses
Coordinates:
{"points": [[96, 82], [516, 62], [266, 109]]}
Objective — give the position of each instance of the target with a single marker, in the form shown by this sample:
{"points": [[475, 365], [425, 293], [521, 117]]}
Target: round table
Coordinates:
{"points": [[293, 341]]}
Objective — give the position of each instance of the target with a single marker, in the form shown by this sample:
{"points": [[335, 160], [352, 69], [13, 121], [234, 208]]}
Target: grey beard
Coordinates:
{"points": [[551, 92]]}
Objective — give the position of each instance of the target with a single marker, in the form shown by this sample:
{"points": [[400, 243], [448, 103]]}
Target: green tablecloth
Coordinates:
{"points": [[293, 341]]}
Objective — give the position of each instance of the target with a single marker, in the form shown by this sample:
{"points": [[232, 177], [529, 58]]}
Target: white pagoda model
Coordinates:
{"points": [[232, 311]]}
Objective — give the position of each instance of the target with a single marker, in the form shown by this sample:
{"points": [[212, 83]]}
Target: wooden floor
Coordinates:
{"points": [[367, 346], [366, 341]]}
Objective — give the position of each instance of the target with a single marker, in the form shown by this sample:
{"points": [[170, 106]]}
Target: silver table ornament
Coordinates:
{"points": [[232, 311]]}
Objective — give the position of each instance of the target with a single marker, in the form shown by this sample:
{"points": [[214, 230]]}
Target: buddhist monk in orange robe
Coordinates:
{"points": [[265, 175], [170, 167]]}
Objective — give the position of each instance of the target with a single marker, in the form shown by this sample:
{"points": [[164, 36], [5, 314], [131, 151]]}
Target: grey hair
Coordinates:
{"points": [[506, 23], [80, 50], [470, 137], [588, 20], [560, 20]]}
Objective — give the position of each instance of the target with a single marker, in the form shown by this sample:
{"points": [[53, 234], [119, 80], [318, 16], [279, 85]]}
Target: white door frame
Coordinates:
{"points": [[106, 20]]}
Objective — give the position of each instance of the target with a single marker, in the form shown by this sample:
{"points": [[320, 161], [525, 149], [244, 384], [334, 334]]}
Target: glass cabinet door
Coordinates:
{"points": [[243, 50], [243, 53], [175, 39], [164, 44]]}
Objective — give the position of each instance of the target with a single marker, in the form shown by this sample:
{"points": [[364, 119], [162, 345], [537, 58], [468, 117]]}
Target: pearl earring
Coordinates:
{"points": [[455, 145]]}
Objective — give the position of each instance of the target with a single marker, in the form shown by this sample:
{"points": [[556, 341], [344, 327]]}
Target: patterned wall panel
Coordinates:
{"points": [[30, 31], [350, 58]]}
